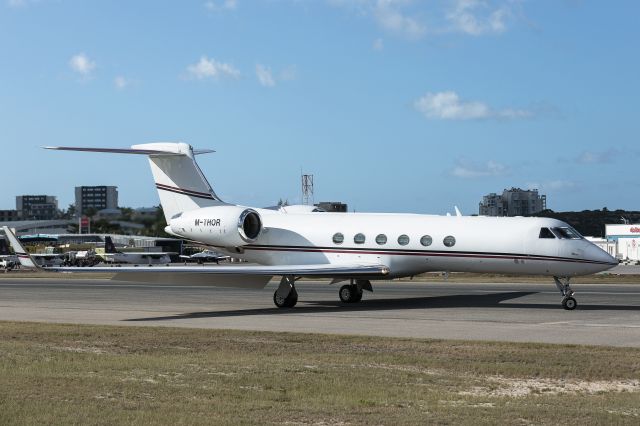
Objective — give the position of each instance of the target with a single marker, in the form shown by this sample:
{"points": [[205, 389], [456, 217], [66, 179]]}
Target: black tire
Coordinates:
{"points": [[292, 298], [350, 294], [569, 303], [286, 302], [345, 293]]}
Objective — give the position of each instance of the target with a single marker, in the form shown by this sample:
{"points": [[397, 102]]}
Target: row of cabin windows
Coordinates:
{"points": [[403, 240]]}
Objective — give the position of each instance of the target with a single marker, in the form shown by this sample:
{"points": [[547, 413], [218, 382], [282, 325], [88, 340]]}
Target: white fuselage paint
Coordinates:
{"points": [[483, 244]]}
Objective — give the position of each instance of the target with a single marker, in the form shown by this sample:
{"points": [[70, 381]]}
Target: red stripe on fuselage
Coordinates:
{"points": [[424, 254]]}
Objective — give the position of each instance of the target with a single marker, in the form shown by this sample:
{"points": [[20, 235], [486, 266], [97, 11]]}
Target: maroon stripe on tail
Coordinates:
{"points": [[188, 192]]}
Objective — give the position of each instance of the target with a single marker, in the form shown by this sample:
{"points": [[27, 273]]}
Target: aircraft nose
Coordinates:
{"points": [[596, 254]]}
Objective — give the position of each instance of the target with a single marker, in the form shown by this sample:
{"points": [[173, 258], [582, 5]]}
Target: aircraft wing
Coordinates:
{"points": [[317, 271], [252, 276], [249, 276]]}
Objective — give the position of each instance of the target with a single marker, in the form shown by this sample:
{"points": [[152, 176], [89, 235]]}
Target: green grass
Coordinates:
{"points": [[76, 374]]}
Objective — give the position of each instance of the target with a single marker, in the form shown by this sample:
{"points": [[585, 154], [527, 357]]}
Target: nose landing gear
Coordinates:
{"points": [[568, 301]]}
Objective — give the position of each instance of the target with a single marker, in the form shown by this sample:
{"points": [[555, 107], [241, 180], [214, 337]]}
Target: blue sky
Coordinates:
{"points": [[393, 105]]}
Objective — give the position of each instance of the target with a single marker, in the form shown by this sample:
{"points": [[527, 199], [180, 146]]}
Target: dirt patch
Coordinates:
{"points": [[502, 386]]}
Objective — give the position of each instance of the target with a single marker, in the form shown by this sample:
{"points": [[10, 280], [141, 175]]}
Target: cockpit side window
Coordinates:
{"points": [[546, 233], [567, 233]]}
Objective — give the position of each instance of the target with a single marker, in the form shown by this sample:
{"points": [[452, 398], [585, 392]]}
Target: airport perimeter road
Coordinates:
{"points": [[607, 314]]}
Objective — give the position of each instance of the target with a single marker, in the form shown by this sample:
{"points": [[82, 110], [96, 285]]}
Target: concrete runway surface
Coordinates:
{"points": [[607, 314]]}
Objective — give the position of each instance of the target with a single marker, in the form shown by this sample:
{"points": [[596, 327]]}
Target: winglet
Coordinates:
{"points": [[23, 256], [458, 213]]}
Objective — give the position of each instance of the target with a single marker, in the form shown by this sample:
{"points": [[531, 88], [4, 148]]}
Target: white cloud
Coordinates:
{"points": [[471, 17], [81, 64], [449, 106], [378, 44], [268, 78], [476, 17], [215, 6], [264, 76], [389, 16], [289, 73], [467, 169], [210, 68], [553, 185], [120, 82], [597, 157]]}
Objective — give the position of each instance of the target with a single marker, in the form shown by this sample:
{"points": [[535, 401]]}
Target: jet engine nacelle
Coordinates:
{"points": [[222, 226]]}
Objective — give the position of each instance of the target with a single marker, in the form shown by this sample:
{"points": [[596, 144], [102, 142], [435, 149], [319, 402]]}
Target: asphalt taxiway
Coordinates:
{"points": [[607, 314]]}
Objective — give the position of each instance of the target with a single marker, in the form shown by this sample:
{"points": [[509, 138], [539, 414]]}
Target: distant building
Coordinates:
{"points": [[332, 206], [31, 227], [96, 198], [9, 215], [492, 205], [145, 213], [513, 202], [37, 207], [626, 239]]}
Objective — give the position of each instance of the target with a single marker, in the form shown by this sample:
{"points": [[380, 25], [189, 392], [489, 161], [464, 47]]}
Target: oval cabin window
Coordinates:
{"points": [[449, 241], [403, 240], [381, 239], [338, 238], [359, 239], [426, 240]]}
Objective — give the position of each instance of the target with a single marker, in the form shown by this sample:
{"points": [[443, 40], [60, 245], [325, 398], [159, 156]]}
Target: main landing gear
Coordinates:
{"points": [[352, 293], [568, 301], [286, 295]]}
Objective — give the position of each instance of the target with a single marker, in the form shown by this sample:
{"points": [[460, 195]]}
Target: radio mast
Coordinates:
{"points": [[307, 189]]}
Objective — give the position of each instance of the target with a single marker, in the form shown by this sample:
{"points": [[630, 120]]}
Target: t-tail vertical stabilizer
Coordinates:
{"points": [[181, 185]]}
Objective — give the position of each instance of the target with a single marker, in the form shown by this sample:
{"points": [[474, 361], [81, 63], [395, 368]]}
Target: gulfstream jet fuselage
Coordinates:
{"points": [[356, 247]]}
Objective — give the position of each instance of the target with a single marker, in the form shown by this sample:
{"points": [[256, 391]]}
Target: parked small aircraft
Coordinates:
{"points": [[7, 260], [205, 256]]}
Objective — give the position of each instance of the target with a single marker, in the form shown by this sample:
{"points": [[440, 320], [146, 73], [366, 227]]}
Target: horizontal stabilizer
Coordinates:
{"points": [[153, 149]]}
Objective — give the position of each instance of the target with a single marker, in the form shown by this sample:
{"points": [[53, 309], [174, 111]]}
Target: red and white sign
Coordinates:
{"points": [[635, 230]]}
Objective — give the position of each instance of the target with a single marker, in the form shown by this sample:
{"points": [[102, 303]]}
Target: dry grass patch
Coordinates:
{"points": [[59, 374]]}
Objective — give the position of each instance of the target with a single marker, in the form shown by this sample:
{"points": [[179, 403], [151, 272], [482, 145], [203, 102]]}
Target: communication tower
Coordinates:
{"points": [[307, 189]]}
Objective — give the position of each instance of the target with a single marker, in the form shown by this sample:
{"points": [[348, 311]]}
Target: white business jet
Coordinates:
{"points": [[354, 247]]}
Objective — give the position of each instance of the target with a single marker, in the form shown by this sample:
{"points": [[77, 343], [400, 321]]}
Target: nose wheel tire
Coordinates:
{"points": [[350, 294], [569, 303], [286, 302]]}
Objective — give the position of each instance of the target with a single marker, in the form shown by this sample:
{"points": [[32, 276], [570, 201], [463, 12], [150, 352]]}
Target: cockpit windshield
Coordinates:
{"points": [[546, 233], [566, 233]]}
